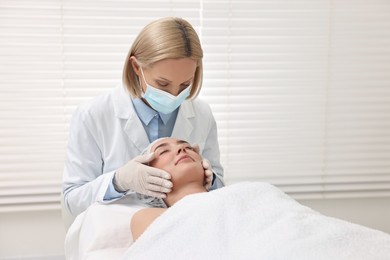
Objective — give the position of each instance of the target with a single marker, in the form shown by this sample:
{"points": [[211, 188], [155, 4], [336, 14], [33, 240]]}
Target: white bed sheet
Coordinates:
{"points": [[102, 231], [254, 221], [241, 221]]}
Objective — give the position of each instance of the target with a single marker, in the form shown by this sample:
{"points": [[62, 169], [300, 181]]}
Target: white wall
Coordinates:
{"points": [[40, 234], [33, 234], [370, 212]]}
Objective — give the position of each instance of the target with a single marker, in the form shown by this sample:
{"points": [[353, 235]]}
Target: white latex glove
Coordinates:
{"points": [[208, 171], [137, 176]]}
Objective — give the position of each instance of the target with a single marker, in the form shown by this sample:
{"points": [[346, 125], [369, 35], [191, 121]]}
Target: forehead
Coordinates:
{"points": [[167, 142], [181, 64], [174, 69]]}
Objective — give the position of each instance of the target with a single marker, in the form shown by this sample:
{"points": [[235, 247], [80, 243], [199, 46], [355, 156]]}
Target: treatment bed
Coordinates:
{"points": [[249, 220]]}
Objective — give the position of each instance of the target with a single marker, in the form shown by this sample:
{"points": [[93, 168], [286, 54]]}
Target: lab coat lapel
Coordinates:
{"points": [[136, 132], [184, 122], [134, 129]]}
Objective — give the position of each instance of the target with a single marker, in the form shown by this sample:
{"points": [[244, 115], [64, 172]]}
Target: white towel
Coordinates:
{"points": [[254, 221], [102, 232]]}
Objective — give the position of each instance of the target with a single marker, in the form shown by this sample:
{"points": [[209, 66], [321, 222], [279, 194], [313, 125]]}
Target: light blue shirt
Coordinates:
{"points": [[156, 125]]}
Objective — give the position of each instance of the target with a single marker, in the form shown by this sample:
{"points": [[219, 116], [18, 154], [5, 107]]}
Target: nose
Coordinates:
{"points": [[181, 148], [175, 91]]}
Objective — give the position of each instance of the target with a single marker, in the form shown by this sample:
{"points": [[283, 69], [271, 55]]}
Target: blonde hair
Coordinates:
{"points": [[166, 38]]}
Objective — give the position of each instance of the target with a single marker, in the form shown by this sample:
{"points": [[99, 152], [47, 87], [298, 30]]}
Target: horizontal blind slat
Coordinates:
{"points": [[299, 91]]}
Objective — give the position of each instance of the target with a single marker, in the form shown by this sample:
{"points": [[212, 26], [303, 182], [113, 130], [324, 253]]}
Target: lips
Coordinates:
{"points": [[183, 157]]}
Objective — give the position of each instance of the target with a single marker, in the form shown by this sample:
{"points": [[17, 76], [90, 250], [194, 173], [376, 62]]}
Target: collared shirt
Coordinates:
{"points": [[156, 125]]}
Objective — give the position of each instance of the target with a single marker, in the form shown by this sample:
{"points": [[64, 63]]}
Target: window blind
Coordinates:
{"points": [[53, 56], [299, 89], [32, 116]]}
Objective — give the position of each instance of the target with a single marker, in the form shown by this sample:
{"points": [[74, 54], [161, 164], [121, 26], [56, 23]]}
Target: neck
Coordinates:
{"points": [[177, 194]]}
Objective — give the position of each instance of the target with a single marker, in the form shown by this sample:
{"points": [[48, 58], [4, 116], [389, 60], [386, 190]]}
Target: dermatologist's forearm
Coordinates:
{"points": [[112, 193], [78, 198]]}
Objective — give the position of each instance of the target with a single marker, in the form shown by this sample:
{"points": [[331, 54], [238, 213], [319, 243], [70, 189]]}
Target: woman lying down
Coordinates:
{"points": [[184, 164], [241, 221], [249, 220]]}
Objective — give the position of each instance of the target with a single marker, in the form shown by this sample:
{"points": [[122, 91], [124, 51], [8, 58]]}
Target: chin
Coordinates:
{"points": [[193, 168], [189, 171]]}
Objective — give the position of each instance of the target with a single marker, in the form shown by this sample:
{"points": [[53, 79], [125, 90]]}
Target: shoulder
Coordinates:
{"points": [[95, 108], [142, 219], [96, 104], [199, 103], [199, 107]]}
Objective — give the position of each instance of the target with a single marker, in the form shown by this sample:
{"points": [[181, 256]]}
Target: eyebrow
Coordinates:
{"points": [[161, 78], [165, 144]]}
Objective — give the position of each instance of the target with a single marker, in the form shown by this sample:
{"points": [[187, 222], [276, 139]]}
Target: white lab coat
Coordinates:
{"points": [[106, 133]]}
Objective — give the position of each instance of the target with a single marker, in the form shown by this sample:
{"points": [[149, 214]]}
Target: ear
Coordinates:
{"points": [[135, 65]]}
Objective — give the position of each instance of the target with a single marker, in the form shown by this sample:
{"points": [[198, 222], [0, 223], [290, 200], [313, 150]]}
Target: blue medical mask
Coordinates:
{"points": [[162, 101]]}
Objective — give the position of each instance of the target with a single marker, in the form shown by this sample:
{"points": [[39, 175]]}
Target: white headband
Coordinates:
{"points": [[148, 149]]}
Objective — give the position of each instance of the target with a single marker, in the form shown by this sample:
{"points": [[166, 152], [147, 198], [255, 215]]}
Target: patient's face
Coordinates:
{"points": [[179, 159]]}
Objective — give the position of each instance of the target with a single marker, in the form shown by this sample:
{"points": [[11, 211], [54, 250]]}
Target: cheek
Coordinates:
{"points": [[162, 162], [196, 156], [199, 167], [199, 172]]}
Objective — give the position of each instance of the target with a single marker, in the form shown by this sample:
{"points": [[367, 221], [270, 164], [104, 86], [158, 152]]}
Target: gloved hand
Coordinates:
{"points": [[141, 178], [208, 171]]}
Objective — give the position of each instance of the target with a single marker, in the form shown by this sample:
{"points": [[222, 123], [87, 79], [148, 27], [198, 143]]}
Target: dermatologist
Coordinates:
{"points": [[162, 77]]}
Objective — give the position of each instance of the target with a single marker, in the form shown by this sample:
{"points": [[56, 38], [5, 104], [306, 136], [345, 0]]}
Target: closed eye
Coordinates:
{"points": [[165, 84], [189, 147], [164, 151], [162, 84]]}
